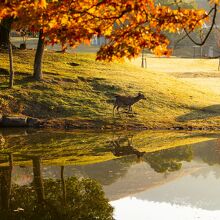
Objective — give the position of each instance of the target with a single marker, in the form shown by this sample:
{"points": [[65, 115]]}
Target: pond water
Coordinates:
{"points": [[144, 175]]}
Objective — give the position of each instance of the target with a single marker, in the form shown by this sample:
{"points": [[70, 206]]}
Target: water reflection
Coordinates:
{"points": [[164, 161], [123, 146], [83, 147], [169, 160], [64, 198], [130, 208], [136, 172]]}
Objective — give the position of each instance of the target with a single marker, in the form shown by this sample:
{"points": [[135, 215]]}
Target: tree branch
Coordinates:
{"points": [[207, 35]]}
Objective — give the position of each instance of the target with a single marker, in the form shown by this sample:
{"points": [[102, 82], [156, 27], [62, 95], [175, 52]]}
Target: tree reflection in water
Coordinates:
{"points": [[162, 161], [68, 198], [169, 160]]}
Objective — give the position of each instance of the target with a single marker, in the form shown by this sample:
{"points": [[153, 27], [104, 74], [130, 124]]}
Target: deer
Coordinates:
{"points": [[123, 147], [126, 101]]}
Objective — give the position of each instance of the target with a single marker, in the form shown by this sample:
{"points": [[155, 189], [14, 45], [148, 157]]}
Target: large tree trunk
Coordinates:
{"points": [[5, 42], [38, 75], [5, 28]]}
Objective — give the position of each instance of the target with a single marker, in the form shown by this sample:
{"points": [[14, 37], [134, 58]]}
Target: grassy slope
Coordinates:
{"points": [[79, 89]]}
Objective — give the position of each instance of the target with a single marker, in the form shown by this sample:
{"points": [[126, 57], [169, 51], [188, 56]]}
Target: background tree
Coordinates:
{"points": [[5, 28]]}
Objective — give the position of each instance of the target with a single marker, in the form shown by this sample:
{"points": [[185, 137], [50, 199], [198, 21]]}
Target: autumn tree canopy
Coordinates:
{"points": [[129, 26]]}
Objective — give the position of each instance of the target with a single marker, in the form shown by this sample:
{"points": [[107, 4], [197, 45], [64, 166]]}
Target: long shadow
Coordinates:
{"points": [[203, 113], [100, 85]]}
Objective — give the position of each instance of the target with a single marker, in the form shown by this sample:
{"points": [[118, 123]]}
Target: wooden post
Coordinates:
{"points": [[145, 62], [218, 63], [142, 59], [201, 51]]}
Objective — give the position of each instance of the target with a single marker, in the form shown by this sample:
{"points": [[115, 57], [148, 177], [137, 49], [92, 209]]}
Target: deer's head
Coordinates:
{"points": [[141, 96]]}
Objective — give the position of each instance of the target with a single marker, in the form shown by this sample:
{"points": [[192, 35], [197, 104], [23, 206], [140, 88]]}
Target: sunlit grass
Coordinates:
{"points": [[77, 88]]}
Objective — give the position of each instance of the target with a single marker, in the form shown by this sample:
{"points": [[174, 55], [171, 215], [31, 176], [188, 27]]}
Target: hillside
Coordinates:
{"points": [[79, 92]]}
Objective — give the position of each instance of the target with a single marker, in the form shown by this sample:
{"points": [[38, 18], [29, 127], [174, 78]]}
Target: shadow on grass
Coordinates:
{"points": [[4, 72], [74, 64], [109, 90], [24, 77], [24, 80], [203, 113]]}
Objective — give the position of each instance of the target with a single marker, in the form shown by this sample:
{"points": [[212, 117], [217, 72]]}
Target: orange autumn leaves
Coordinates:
{"points": [[128, 25], [143, 27]]}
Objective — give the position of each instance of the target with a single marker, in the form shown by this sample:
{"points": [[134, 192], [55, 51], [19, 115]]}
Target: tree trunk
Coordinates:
{"points": [[38, 179], [11, 77], [63, 185], [5, 27], [39, 57], [5, 42], [5, 186]]}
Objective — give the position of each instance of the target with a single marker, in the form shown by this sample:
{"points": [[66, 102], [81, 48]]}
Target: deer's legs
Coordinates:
{"points": [[114, 110], [118, 110], [130, 110]]}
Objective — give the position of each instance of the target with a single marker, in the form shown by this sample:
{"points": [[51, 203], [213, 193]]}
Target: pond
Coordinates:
{"points": [[84, 175]]}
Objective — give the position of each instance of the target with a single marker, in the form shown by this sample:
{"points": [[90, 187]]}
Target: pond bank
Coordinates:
{"points": [[25, 122]]}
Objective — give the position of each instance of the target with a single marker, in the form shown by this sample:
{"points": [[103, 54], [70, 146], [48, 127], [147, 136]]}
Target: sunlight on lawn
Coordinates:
{"points": [[178, 65]]}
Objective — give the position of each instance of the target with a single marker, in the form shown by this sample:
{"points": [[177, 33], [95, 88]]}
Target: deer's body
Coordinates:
{"points": [[126, 101], [124, 147]]}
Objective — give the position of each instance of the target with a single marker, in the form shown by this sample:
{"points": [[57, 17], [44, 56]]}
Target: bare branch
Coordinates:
{"points": [[207, 35]]}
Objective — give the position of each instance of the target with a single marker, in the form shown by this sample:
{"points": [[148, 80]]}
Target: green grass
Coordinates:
{"points": [[78, 90]]}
